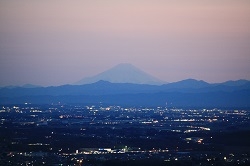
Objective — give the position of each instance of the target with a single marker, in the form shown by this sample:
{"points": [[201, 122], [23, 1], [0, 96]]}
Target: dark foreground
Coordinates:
{"points": [[112, 135]]}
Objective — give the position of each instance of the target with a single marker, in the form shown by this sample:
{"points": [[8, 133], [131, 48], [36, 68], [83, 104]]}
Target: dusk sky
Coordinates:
{"points": [[56, 42]]}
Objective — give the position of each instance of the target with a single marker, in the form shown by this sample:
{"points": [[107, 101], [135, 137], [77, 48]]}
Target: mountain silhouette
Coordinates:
{"points": [[188, 83], [185, 93], [236, 83], [123, 73]]}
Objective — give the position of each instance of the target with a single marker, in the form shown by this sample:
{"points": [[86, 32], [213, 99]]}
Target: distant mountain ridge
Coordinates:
{"points": [[189, 83], [235, 83], [188, 92], [123, 73], [23, 86]]}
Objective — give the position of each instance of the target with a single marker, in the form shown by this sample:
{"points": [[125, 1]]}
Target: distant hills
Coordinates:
{"points": [[185, 93], [23, 86], [125, 84], [123, 73]]}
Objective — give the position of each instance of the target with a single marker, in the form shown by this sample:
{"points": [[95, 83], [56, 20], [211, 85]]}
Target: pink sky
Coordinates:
{"points": [[54, 42]]}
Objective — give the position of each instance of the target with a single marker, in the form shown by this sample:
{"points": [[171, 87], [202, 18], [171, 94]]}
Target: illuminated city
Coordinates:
{"points": [[60, 134]]}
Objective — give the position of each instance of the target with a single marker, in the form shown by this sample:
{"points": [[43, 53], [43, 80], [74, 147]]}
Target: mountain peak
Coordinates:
{"points": [[123, 73], [124, 67]]}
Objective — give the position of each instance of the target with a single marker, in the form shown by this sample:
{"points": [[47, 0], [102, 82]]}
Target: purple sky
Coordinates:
{"points": [[55, 42]]}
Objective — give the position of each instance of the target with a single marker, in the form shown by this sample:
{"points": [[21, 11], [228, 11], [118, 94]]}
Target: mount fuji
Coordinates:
{"points": [[123, 73]]}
